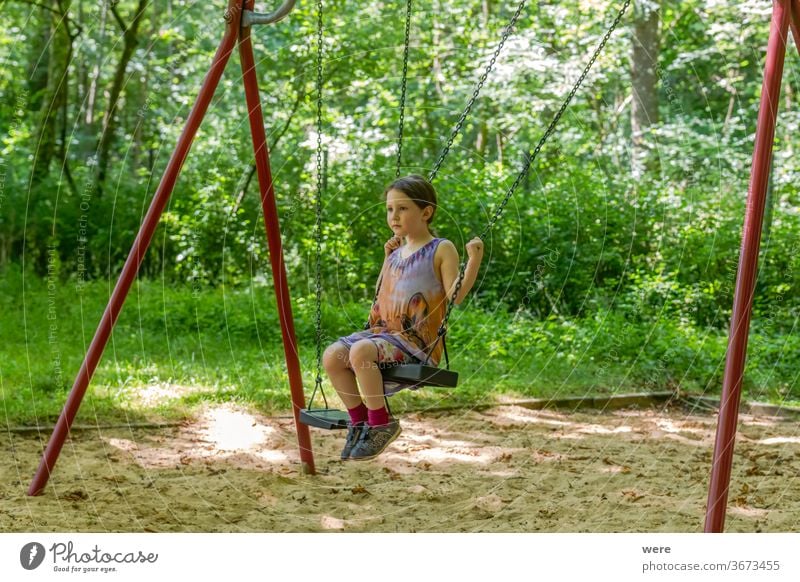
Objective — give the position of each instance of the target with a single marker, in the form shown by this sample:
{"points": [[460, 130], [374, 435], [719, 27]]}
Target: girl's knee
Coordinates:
{"points": [[336, 356], [363, 351]]}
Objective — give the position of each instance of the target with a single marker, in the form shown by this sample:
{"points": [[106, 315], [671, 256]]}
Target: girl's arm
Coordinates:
{"points": [[450, 266], [378, 282]]}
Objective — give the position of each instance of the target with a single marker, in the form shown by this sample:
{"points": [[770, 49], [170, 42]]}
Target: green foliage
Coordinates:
{"points": [[212, 344], [581, 251]]}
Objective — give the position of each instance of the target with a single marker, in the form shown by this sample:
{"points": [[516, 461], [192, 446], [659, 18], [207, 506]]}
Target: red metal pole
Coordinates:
{"points": [[746, 276], [275, 246], [134, 261]]}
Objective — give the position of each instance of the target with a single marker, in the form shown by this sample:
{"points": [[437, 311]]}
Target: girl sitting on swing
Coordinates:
{"points": [[416, 281]]}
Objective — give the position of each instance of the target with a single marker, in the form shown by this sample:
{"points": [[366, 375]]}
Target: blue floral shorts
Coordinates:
{"points": [[387, 352]]}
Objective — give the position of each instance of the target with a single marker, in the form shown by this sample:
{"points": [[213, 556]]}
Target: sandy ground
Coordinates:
{"points": [[506, 469]]}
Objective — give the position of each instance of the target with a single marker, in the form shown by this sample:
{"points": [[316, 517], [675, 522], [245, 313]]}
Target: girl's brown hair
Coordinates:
{"points": [[419, 190]]}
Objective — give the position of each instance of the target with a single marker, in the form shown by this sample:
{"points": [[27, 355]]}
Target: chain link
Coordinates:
{"points": [[403, 90], [509, 28], [404, 84], [529, 158], [318, 229], [506, 32]]}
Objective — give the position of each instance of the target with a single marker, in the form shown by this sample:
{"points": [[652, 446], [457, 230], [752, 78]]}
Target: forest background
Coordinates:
{"points": [[611, 270]]}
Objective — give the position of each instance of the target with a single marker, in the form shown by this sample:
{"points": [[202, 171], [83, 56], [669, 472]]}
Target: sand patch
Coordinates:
{"points": [[506, 469]]}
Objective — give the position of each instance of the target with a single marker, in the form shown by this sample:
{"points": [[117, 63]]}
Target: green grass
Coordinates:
{"points": [[224, 345]]}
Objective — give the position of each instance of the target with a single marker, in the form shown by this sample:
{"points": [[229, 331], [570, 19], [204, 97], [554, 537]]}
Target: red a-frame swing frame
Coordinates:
{"points": [[239, 19]]}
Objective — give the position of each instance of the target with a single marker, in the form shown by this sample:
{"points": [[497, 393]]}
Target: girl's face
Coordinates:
{"points": [[404, 217]]}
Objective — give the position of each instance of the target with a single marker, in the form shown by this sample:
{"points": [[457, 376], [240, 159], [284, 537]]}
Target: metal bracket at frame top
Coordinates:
{"points": [[249, 18]]}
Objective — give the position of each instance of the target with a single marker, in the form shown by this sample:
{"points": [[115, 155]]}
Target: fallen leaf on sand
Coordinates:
{"points": [[631, 495], [329, 522], [77, 495]]}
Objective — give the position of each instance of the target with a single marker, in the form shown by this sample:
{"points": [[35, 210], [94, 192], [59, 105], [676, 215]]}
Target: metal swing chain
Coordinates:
{"points": [[402, 118], [403, 89], [318, 229], [476, 92], [457, 129], [531, 157]]}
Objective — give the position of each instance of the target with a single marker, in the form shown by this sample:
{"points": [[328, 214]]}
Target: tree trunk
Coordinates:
{"points": [[141, 121], [499, 141], [481, 138], [55, 92], [644, 80], [92, 94], [82, 73], [63, 140], [436, 66], [130, 41], [38, 59]]}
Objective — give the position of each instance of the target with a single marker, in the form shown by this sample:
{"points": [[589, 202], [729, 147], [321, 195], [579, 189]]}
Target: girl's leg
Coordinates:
{"points": [[364, 361], [336, 360], [380, 429]]}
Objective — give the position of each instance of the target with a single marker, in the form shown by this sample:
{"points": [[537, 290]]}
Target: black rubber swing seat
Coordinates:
{"points": [[420, 375], [325, 418]]}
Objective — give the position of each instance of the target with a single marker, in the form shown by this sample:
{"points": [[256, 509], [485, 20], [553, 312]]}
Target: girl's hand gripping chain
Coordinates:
{"points": [[475, 250]]}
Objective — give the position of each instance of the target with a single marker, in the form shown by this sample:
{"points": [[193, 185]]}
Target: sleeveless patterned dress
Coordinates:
{"points": [[406, 317]]}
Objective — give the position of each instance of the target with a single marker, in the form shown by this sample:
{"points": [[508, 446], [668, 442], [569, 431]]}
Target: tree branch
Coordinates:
{"points": [[32, 3], [54, 11], [117, 17]]}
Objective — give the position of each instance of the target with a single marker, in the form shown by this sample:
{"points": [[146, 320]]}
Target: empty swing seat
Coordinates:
{"points": [[324, 418]]}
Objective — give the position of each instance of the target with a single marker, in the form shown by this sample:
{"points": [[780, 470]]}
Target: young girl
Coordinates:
{"points": [[417, 280]]}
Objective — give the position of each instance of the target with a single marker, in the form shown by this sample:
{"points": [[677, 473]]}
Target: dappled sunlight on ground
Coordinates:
{"points": [[779, 441], [231, 430], [423, 442], [506, 469], [221, 433], [163, 392], [512, 415], [561, 426]]}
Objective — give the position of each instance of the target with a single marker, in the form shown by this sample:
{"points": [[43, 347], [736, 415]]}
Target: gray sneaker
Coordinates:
{"points": [[374, 440], [353, 433]]}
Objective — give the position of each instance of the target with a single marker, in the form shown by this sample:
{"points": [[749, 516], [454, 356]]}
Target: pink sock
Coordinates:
{"points": [[358, 414], [378, 417]]}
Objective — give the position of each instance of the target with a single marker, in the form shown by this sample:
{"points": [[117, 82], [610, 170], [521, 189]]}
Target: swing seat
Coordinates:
{"points": [[420, 375], [415, 374], [324, 418]]}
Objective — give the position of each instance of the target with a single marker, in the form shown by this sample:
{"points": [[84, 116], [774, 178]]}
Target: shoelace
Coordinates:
{"points": [[364, 433], [354, 431]]}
